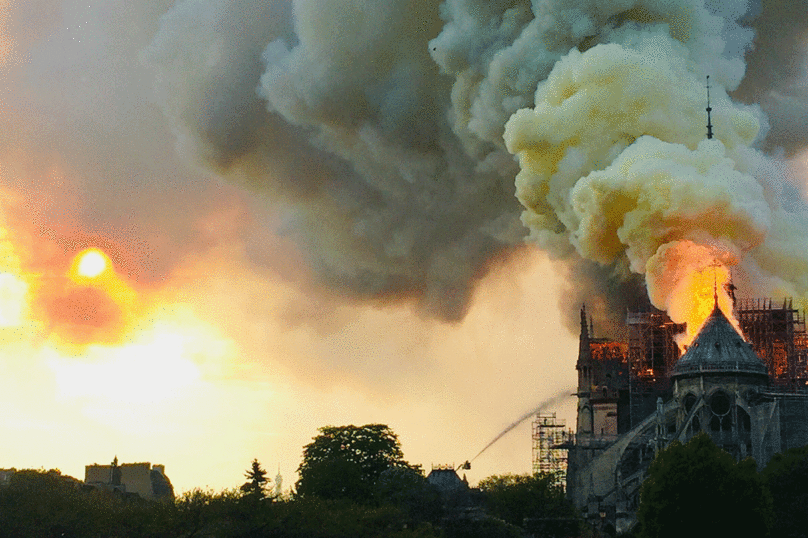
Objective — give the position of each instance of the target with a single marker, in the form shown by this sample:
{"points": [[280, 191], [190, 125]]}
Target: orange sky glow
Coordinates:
{"points": [[199, 384]]}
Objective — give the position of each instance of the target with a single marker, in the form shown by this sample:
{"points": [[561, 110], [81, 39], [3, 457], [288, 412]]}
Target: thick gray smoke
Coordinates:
{"points": [[385, 132], [777, 71], [339, 114]]}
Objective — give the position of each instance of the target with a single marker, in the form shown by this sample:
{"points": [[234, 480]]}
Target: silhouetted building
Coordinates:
{"points": [[749, 394], [446, 481], [5, 476], [142, 479]]}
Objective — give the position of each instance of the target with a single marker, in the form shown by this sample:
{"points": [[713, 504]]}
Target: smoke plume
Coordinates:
{"points": [[403, 140]]}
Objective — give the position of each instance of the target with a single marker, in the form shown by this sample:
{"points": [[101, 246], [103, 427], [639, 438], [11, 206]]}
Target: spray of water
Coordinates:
{"points": [[555, 400]]}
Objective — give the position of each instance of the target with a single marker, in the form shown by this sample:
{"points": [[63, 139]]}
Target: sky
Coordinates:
{"points": [[358, 212]]}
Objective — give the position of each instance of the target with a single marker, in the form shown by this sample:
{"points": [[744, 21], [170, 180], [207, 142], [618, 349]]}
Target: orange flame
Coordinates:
{"points": [[686, 278], [697, 297]]}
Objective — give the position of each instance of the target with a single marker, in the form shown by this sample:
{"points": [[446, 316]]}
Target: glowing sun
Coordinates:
{"points": [[92, 263]]}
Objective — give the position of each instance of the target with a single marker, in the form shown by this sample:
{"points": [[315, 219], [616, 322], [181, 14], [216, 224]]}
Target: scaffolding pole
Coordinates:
{"points": [[652, 354], [778, 336], [549, 433]]}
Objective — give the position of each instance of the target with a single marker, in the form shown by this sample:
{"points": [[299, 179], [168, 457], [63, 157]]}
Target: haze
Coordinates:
{"points": [[316, 214]]}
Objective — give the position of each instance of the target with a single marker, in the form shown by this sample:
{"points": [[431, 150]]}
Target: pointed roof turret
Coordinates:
{"points": [[718, 348], [709, 109], [584, 328], [584, 351]]}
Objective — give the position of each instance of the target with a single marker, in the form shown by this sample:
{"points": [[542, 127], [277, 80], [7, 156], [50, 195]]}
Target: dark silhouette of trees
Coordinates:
{"points": [[49, 504], [344, 462], [786, 476], [533, 502], [255, 486], [407, 489], [207, 513], [486, 527], [226, 515], [697, 489]]}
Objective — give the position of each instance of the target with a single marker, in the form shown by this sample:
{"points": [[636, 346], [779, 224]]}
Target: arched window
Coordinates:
{"points": [[720, 403], [720, 406], [585, 418], [688, 402]]}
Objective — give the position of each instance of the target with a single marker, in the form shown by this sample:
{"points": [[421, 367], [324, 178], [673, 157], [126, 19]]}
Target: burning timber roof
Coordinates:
{"points": [[719, 348]]}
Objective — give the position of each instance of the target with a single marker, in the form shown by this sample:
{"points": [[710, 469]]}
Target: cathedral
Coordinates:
{"points": [[747, 390]]}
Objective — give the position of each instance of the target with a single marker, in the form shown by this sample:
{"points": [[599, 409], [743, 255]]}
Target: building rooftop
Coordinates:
{"points": [[719, 348]]}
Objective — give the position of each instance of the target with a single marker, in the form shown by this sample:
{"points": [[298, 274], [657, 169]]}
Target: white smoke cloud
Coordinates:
{"points": [[612, 162]]}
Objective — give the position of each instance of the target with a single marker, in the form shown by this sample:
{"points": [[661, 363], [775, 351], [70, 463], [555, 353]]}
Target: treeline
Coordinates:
{"points": [[353, 483], [37, 506], [696, 489]]}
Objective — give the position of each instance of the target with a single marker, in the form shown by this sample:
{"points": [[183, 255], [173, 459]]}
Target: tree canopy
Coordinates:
{"points": [[255, 486], [344, 462], [697, 489], [514, 497], [49, 504], [786, 476], [408, 489]]}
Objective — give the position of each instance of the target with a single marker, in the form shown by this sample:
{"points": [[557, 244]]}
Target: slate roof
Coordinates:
{"points": [[719, 348], [446, 480]]}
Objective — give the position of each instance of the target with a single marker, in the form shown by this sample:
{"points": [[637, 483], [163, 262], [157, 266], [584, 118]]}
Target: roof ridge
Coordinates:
{"points": [[719, 347]]}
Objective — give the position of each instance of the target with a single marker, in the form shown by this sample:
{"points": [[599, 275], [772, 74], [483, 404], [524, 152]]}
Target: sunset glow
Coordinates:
{"points": [[91, 263], [163, 359], [13, 291]]}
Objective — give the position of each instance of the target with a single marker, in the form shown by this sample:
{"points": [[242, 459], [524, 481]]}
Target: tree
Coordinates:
{"points": [[344, 462], [697, 489], [515, 497], [786, 476], [407, 489], [40, 503], [255, 486], [207, 513], [48, 503]]}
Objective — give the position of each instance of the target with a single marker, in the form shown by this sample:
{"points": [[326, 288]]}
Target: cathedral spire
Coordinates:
{"points": [[715, 289], [584, 327], [709, 109], [584, 353]]}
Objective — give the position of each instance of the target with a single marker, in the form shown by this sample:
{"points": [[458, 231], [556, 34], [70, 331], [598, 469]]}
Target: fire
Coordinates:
{"points": [[684, 279], [697, 296]]}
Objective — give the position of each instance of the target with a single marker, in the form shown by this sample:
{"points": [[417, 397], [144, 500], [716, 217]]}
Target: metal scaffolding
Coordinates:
{"points": [[778, 336], [652, 353], [549, 433]]}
